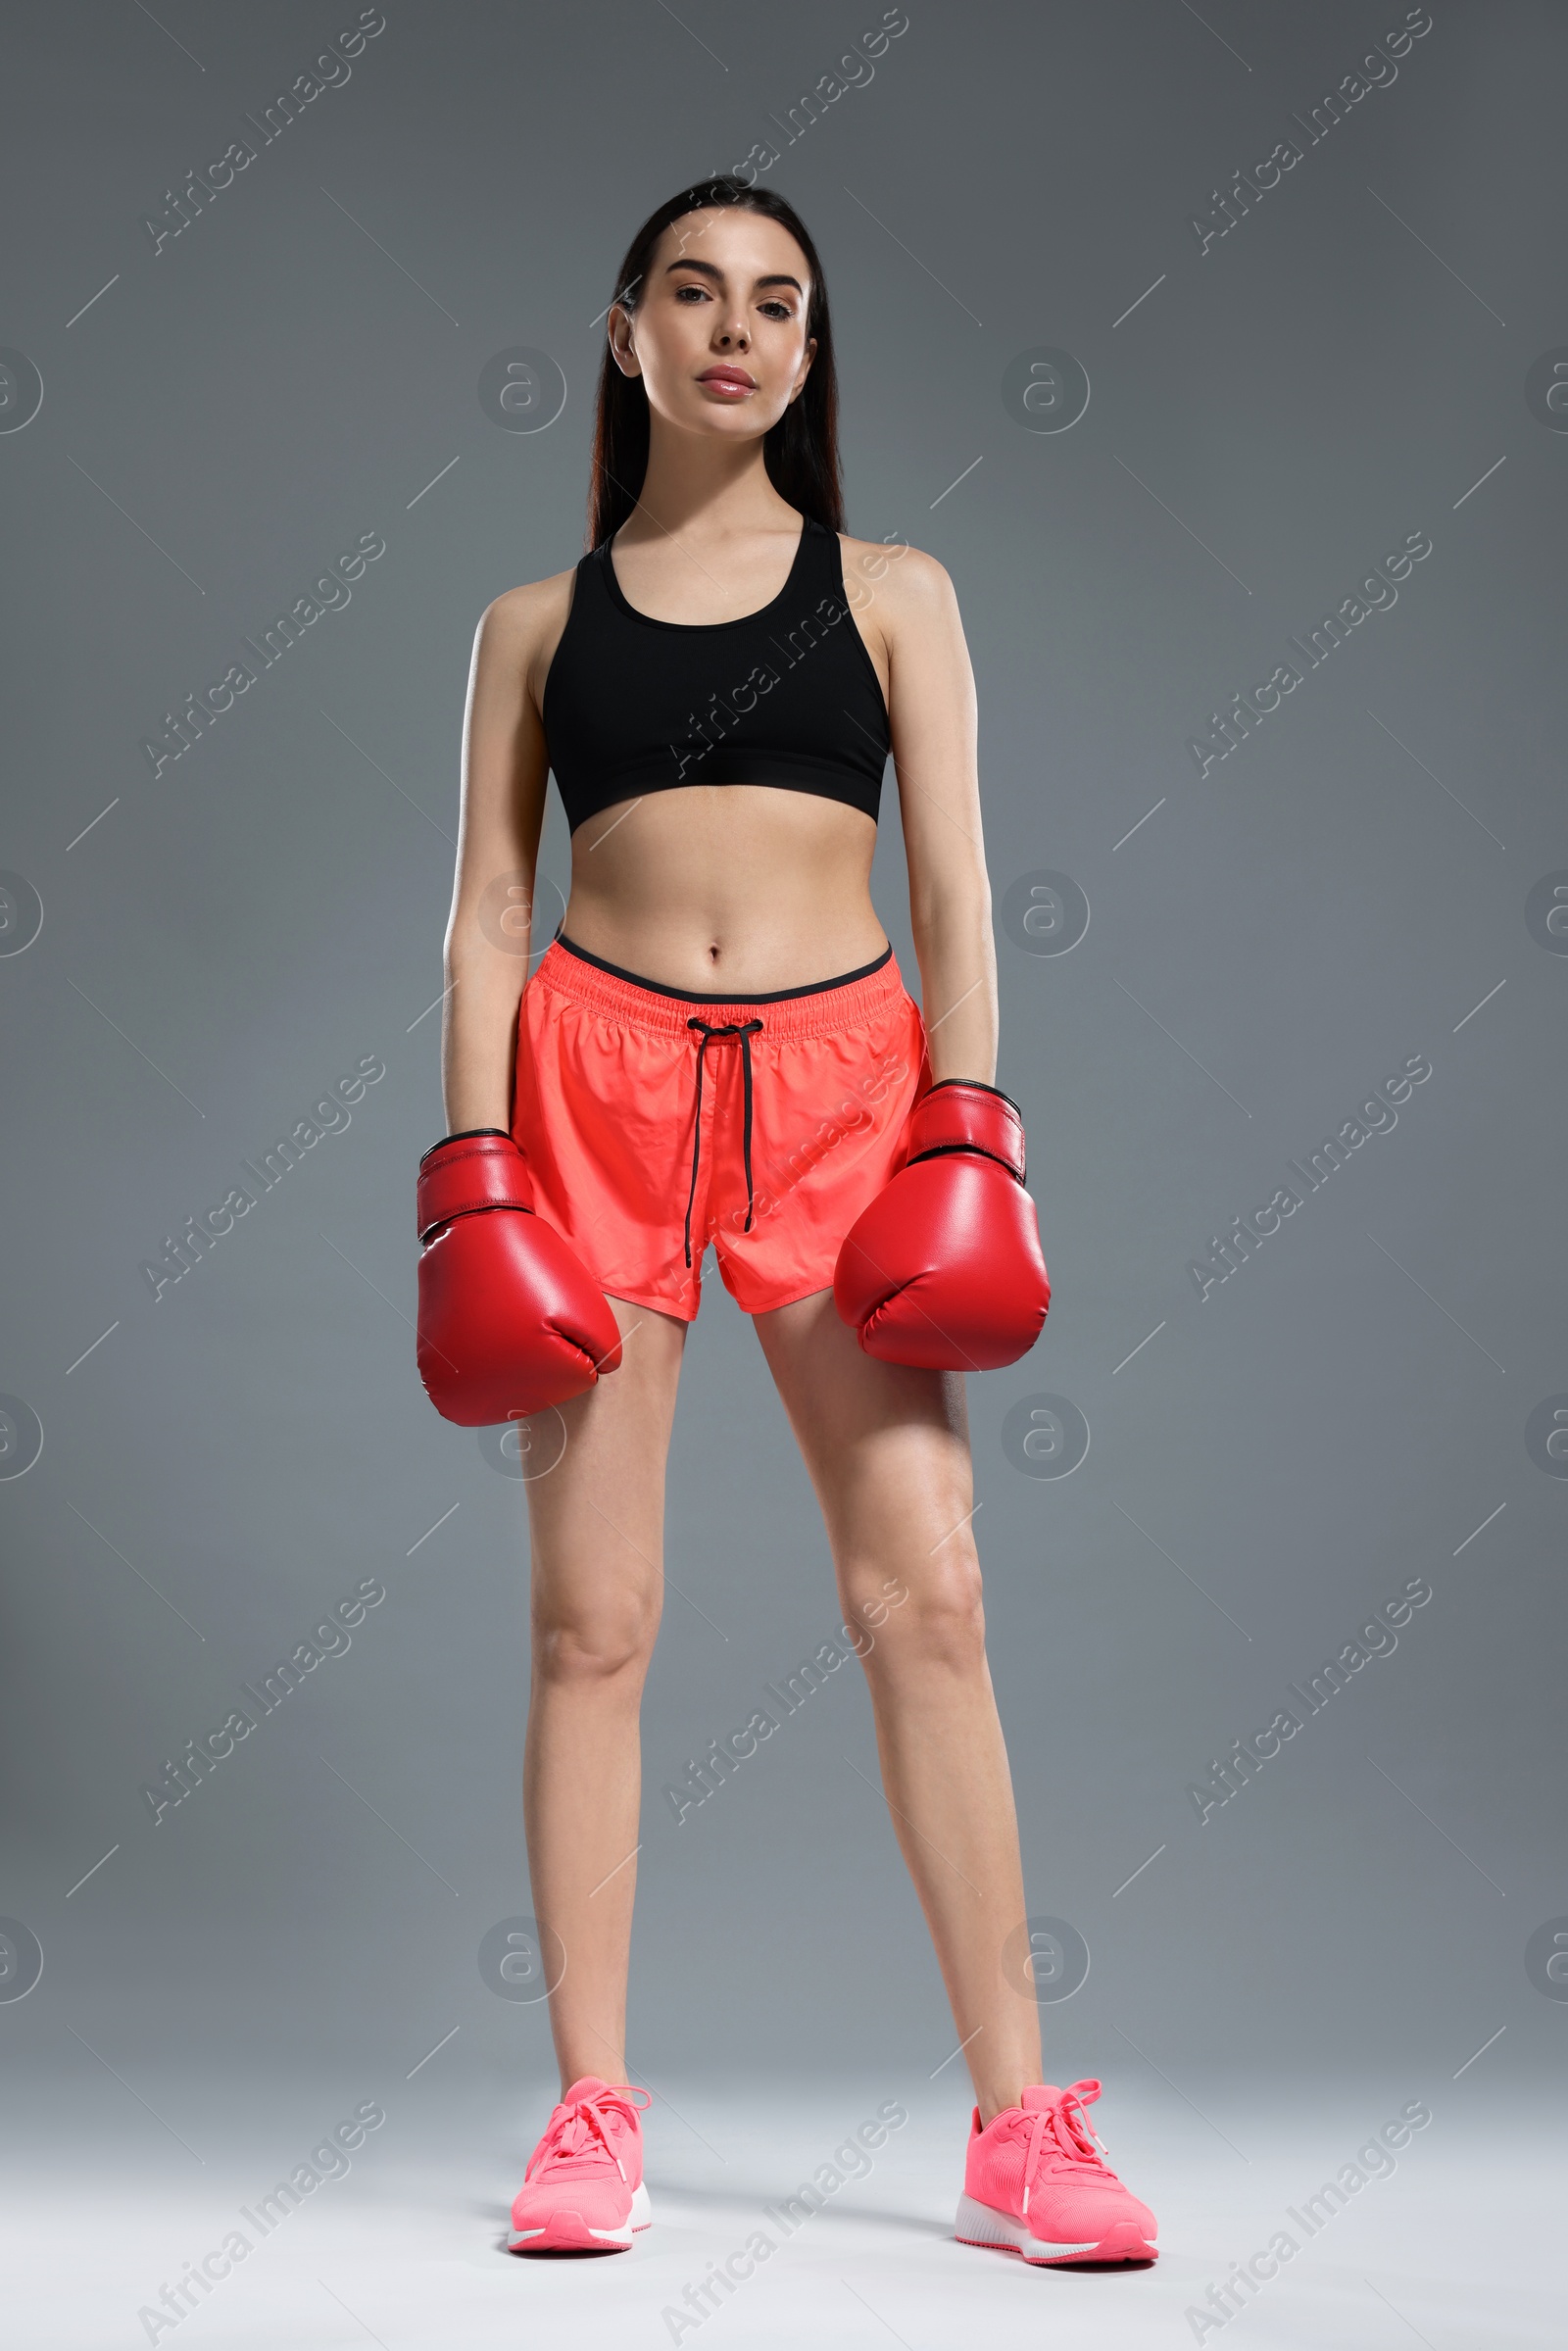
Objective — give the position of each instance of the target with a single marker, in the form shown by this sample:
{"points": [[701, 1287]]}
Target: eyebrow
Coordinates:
{"points": [[778, 278]]}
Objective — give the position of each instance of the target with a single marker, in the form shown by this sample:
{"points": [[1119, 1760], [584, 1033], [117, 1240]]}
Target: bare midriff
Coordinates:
{"points": [[727, 888]]}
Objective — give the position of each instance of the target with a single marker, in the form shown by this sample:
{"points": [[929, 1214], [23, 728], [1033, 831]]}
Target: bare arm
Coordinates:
{"points": [[931, 703], [505, 767]]}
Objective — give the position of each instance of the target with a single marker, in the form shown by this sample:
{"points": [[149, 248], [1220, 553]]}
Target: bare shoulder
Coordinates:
{"points": [[521, 627], [519, 614], [903, 579], [903, 599]]}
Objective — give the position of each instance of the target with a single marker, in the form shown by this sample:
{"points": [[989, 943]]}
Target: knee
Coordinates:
{"points": [[596, 1642], [934, 1619]]}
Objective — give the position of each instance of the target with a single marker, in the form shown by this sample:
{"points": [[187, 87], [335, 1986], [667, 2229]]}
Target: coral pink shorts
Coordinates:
{"points": [[655, 1123]]}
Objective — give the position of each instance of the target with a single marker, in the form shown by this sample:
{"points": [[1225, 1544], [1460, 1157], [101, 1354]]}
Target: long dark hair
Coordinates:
{"points": [[801, 451]]}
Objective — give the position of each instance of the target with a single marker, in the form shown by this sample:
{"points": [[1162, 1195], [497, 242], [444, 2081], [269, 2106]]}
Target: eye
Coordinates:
{"points": [[776, 309], [692, 288]]}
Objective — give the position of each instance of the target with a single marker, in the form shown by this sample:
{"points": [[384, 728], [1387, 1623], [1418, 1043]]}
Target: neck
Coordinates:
{"points": [[701, 488]]}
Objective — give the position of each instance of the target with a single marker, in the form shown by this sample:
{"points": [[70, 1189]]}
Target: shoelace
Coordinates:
{"points": [[572, 2129], [1072, 2136]]}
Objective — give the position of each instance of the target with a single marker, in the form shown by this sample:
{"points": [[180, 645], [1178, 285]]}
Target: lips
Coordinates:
{"points": [[736, 378]]}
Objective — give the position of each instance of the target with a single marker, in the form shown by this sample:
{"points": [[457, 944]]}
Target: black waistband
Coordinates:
{"points": [[779, 996]]}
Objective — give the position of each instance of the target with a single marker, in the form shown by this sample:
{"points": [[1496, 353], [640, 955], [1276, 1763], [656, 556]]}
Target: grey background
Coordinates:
{"points": [[1337, 1417]]}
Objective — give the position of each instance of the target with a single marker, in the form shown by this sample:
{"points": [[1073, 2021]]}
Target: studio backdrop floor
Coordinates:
{"points": [[1453, 2243]]}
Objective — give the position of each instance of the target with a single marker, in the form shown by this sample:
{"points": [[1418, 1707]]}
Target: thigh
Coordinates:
{"points": [[886, 1446], [595, 1475]]}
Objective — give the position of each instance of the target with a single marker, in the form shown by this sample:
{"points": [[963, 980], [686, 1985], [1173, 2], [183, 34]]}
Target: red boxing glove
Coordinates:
{"points": [[944, 1269], [510, 1319]]}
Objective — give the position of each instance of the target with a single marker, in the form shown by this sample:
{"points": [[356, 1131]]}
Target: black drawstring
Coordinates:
{"points": [[743, 1030]]}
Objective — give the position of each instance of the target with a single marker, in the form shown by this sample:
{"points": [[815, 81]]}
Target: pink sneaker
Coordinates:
{"points": [[583, 2189], [1036, 2183]]}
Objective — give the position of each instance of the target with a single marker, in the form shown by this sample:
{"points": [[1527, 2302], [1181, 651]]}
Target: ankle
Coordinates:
{"points": [[612, 2071], [995, 2098]]}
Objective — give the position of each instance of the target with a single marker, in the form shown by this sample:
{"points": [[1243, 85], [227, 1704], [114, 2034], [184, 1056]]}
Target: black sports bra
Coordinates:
{"points": [[787, 696]]}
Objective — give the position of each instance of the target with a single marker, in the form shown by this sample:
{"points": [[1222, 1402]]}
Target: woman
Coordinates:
{"points": [[718, 1046]]}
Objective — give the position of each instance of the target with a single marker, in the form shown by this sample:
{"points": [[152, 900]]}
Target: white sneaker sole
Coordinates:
{"points": [[982, 2225]]}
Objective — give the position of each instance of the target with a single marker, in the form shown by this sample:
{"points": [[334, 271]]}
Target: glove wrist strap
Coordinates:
{"points": [[464, 1173], [964, 1114]]}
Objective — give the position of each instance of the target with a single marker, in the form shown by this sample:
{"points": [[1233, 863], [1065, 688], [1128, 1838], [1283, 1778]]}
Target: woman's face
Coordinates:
{"points": [[726, 290]]}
